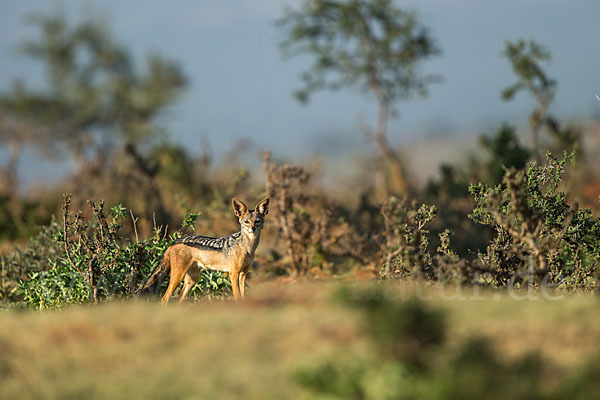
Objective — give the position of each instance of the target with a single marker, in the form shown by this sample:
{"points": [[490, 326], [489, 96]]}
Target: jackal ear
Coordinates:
{"points": [[263, 206], [239, 208]]}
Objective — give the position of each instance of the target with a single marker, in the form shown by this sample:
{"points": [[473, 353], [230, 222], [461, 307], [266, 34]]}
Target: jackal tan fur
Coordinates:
{"points": [[233, 254]]}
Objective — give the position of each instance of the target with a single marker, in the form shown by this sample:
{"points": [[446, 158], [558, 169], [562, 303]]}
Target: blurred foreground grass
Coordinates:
{"points": [[251, 350]]}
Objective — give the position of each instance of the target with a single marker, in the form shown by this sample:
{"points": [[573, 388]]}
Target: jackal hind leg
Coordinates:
{"points": [[188, 284], [178, 271]]}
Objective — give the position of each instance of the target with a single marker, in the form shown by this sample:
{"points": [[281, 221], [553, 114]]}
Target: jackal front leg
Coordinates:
{"points": [[242, 281], [235, 285]]}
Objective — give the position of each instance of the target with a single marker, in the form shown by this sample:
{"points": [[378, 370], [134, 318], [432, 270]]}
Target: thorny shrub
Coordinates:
{"points": [[540, 237], [404, 243], [313, 230], [302, 232]]}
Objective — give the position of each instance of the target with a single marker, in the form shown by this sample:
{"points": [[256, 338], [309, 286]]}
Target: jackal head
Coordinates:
{"points": [[251, 221]]}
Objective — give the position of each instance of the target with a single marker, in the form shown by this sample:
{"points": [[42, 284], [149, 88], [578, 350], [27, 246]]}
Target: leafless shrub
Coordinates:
{"points": [[303, 232]]}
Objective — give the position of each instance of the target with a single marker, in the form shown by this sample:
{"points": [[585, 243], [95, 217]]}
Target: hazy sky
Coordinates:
{"points": [[240, 87]]}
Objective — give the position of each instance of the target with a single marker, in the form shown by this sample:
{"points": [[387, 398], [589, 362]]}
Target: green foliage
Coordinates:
{"points": [[370, 44], [451, 184], [526, 58], [95, 97], [450, 192], [56, 287], [504, 151], [539, 234], [175, 164], [87, 261], [189, 221], [212, 285], [566, 137], [19, 264], [19, 218], [405, 242], [496, 153]]}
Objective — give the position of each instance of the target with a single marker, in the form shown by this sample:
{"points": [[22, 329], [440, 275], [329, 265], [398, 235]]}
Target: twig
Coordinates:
{"points": [[389, 259], [386, 220], [134, 225], [66, 236], [2, 272]]}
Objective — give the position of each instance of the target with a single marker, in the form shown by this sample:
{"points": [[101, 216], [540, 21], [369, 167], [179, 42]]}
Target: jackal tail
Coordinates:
{"points": [[152, 284]]}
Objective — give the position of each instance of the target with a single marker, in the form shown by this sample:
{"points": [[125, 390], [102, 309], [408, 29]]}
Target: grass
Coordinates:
{"points": [[225, 350]]}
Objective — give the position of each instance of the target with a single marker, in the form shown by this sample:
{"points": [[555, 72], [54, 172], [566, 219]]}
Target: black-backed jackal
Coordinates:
{"points": [[233, 254]]}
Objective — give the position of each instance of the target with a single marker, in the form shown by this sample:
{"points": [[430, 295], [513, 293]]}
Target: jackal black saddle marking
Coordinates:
{"points": [[207, 242]]}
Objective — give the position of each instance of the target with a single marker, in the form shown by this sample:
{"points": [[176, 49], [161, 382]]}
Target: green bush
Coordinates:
{"points": [[540, 235], [537, 235], [404, 243], [87, 261], [20, 216], [19, 264]]}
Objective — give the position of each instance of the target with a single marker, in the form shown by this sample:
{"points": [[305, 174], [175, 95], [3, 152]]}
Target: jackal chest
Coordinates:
{"points": [[243, 258], [248, 260]]}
